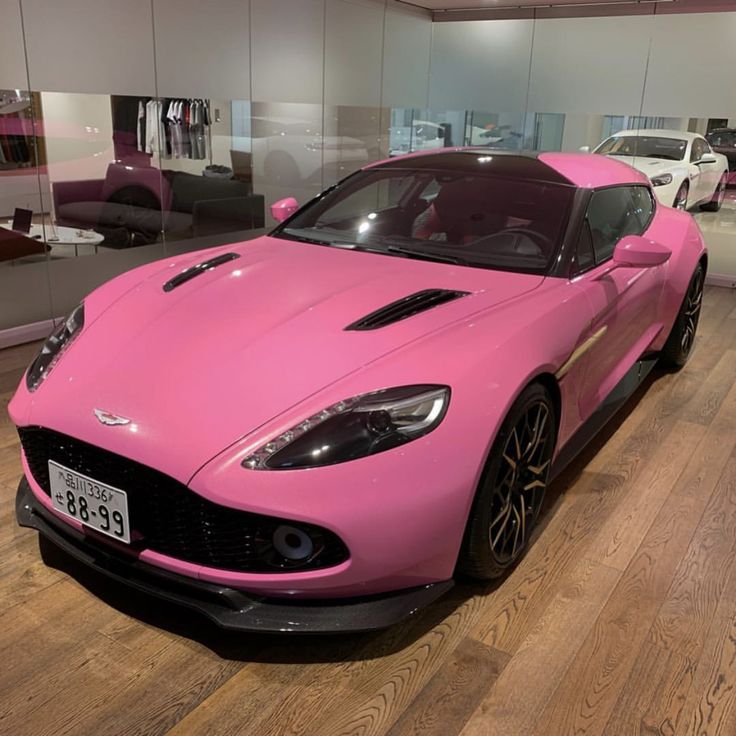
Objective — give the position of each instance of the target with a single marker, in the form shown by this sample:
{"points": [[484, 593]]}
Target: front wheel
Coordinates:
{"points": [[512, 487], [716, 201], [679, 345]]}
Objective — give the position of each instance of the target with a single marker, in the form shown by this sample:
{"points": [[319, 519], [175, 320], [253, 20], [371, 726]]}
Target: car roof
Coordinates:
{"points": [[582, 170], [592, 171], [682, 135]]}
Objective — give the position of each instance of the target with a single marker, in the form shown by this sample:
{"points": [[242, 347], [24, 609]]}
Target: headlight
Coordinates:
{"points": [[54, 346], [661, 180], [357, 427]]}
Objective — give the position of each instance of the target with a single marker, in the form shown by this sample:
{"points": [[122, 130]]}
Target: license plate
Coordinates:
{"points": [[94, 504]]}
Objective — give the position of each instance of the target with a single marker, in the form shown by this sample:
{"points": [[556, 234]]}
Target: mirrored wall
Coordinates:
{"points": [[139, 130]]}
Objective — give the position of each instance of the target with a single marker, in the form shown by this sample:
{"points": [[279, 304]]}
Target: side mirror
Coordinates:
{"points": [[639, 252], [585, 149], [284, 208], [708, 158]]}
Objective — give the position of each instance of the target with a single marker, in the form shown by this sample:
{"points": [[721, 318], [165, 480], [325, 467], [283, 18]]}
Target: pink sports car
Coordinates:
{"points": [[316, 430]]}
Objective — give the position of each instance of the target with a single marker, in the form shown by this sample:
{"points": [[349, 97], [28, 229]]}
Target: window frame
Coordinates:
{"points": [[574, 273], [558, 253], [707, 149]]}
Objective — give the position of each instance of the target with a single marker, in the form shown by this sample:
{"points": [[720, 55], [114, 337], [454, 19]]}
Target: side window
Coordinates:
{"points": [[643, 206], [583, 258], [700, 148], [611, 215]]}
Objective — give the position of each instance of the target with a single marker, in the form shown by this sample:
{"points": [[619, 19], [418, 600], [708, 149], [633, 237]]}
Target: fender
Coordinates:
{"points": [[678, 231]]}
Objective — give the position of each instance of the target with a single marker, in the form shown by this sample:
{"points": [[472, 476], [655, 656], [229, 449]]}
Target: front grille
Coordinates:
{"points": [[168, 517]]}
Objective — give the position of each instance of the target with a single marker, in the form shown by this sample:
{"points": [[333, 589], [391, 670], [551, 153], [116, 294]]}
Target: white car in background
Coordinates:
{"points": [[682, 167], [292, 152], [421, 135], [424, 135]]}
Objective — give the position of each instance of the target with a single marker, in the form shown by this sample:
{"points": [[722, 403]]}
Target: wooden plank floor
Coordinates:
{"points": [[620, 620]]}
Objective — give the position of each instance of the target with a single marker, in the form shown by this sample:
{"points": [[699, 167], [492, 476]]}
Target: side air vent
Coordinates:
{"points": [[200, 268], [406, 307]]}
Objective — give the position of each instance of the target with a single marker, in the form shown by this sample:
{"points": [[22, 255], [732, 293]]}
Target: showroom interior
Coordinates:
{"points": [[147, 129]]}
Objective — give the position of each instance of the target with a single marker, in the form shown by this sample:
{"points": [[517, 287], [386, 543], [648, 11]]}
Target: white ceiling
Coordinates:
{"points": [[505, 4]]}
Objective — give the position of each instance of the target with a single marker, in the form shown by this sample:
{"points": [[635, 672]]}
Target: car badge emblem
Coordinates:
{"points": [[112, 420]]}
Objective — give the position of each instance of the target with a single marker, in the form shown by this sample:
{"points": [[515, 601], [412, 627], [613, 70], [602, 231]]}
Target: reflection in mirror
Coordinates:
{"points": [[286, 145], [351, 140], [207, 180], [425, 130], [23, 251], [21, 165]]}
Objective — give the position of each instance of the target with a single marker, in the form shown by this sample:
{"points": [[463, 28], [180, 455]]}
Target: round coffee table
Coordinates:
{"points": [[60, 235]]}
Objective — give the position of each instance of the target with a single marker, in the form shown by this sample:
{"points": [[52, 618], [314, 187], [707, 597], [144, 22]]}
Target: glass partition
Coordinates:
{"points": [[24, 277], [100, 208], [202, 61]]}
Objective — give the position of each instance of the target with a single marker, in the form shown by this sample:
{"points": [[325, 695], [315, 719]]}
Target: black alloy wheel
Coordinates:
{"points": [[680, 202], [680, 342], [511, 492]]}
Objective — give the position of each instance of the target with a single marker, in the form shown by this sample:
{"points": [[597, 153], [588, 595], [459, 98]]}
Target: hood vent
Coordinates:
{"points": [[200, 268], [406, 307]]}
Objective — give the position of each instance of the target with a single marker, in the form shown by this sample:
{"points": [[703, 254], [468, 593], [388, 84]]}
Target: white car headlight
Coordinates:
{"points": [[661, 179]]}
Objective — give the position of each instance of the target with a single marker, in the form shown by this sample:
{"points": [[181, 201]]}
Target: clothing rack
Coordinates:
{"points": [[174, 127], [16, 131]]}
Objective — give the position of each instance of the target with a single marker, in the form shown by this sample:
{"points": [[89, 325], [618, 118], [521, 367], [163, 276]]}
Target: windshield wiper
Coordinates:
{"points": [[393, 249], [304, 238], [421, 255], [317, 241]]}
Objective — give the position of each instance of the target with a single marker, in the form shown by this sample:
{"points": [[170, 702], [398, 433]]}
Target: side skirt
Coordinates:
{"points": [[613, 402]]}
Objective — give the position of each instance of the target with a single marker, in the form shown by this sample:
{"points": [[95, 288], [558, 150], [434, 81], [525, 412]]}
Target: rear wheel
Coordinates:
{"points": [[511, 491], [716, 201], [680, 202], [679, 345]]}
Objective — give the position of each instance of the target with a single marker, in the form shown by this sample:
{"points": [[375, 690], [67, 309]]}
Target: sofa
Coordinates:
{"points": [[132, 205]]}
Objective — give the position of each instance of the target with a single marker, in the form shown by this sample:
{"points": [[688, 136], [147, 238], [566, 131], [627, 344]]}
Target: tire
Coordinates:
{"points": [[716, 201], [680, 202], [679, 345], [511, 490]]}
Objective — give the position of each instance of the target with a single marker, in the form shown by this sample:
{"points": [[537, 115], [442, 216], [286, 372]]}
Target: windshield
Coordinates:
{"points": [[722, 138], [670, 149], [469, 219]]}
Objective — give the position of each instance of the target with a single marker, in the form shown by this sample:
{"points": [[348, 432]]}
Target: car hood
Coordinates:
{"points": [[197, 368], [650, 166]]}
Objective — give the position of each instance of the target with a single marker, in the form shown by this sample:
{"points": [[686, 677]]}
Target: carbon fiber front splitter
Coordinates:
{"points": [[227, 607]]}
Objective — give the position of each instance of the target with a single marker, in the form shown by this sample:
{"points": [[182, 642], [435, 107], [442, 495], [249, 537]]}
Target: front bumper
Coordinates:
{"points": [[227, 607]]}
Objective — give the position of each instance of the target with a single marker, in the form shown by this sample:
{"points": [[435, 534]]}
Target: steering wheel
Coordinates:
{"points": [[541, 241]]}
